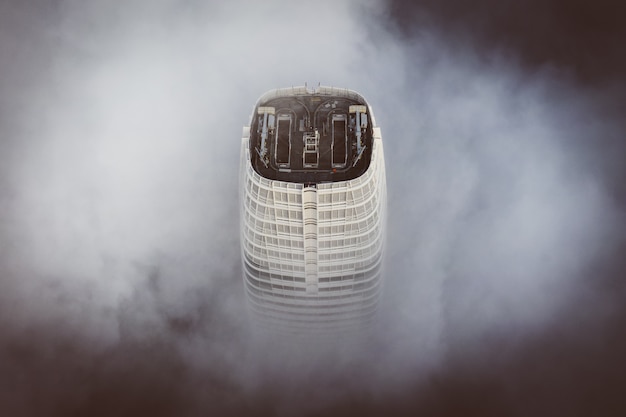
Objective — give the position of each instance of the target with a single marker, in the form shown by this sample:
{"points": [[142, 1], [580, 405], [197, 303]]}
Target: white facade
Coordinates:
{"points": [[312, 252]]}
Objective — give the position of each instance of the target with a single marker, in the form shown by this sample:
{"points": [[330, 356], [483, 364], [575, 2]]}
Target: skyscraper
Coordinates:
{"points": [[313, 202]]}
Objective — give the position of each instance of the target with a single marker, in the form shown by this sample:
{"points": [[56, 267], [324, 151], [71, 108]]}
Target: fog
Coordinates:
{"points": [[120, 279]]}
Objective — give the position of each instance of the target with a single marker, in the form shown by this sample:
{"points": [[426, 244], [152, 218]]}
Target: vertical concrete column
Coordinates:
{"points": [[309, 204]]}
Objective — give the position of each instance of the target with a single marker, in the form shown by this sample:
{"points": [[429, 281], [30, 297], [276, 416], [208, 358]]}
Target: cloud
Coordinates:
{"points": [[121, 278]]}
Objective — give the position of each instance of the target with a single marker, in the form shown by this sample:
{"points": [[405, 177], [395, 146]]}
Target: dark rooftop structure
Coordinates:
{"points": [[311, 136]]}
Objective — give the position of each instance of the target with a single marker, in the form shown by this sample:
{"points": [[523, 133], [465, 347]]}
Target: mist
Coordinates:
{"points": [[120, 274]]}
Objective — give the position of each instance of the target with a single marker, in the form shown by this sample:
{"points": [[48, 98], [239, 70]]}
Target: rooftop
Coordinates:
{"points": [[311, 136]]}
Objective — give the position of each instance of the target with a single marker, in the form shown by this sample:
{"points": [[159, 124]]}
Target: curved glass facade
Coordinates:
{"points": [[312, 241]]}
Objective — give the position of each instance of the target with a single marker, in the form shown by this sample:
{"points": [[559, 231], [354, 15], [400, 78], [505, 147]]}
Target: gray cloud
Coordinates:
{"points": [[121, 283]]}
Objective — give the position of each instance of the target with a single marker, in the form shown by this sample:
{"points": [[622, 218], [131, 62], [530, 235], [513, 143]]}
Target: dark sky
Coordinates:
{"points": [[580, 36], [505, 141]]}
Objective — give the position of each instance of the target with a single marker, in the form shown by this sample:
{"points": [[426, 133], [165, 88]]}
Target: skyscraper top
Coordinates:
{"points": [[311, 136]]}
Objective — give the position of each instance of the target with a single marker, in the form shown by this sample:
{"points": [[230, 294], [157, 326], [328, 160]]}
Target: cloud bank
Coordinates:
{"points": [[121, 286]]}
